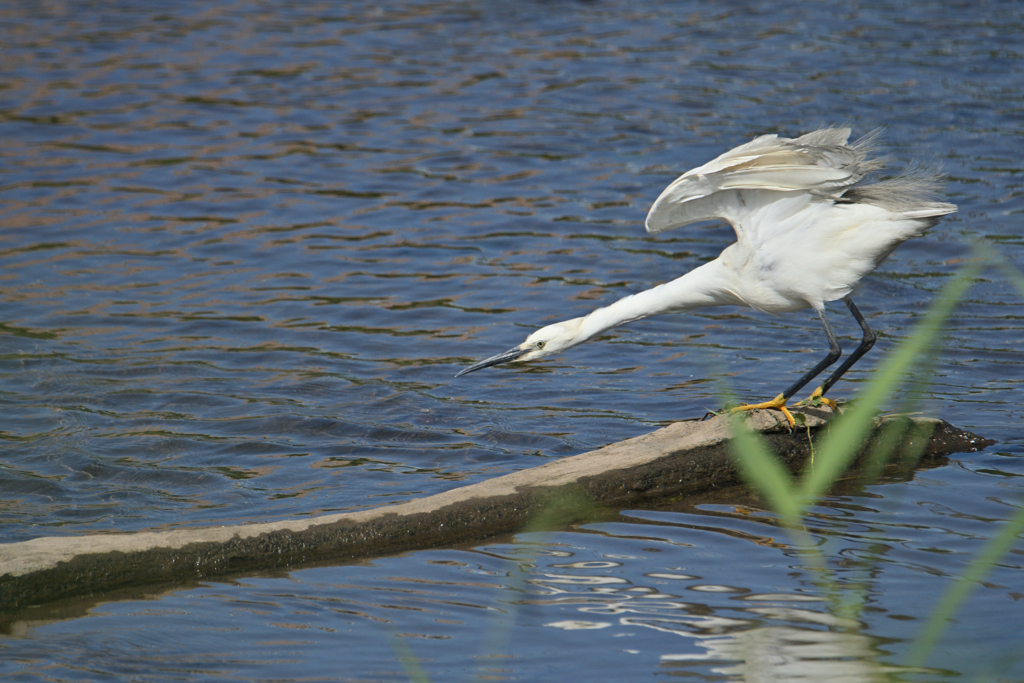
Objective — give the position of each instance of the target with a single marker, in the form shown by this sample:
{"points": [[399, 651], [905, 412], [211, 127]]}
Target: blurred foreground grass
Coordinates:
{"points": [[791, 497]]}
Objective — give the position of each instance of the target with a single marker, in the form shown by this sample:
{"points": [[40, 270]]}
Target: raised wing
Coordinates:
{"points": [[745, 178]]}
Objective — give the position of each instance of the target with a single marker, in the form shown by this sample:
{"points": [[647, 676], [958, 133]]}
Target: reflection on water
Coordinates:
{"points": [[652, 593], [246, 247], [788, 654]]}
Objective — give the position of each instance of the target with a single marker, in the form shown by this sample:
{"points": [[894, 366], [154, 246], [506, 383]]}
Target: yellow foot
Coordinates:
{"points": [[778, 403], [817, 399]]}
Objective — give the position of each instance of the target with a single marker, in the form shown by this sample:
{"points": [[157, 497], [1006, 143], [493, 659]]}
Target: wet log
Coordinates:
{"points": [[689, 458]]}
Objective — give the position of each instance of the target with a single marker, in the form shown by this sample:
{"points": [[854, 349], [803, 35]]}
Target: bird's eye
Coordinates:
{"points": [[540, 345]]}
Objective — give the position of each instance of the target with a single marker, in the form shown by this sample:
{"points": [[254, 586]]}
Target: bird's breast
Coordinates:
{"points": [[767, 280]]}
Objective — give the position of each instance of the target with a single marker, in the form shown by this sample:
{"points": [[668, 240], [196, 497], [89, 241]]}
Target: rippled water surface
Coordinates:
{"points": [[246, 246]]}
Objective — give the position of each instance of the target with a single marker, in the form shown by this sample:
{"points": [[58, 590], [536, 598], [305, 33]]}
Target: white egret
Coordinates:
{"points": [[807, 230]]}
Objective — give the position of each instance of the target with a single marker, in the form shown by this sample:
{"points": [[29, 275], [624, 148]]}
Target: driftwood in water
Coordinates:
{"points": [[683, 459]]}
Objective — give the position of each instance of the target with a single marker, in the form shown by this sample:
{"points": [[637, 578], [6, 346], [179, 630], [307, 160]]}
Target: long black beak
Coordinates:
{"points": [[509, 355]]}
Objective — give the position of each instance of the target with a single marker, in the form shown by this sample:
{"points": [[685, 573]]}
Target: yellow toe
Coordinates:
{"points": [[817, 399], [777, 403]]}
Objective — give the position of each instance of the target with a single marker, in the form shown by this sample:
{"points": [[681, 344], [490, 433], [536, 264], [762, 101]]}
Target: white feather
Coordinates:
{"points": [[819, 163]]}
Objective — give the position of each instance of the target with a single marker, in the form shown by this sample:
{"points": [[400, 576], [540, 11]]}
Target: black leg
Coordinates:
{"points": [[833, 355], [779, 402], [865, 345]]}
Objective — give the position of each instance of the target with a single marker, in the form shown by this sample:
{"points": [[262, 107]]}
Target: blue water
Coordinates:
{"points": [[246, 246]]}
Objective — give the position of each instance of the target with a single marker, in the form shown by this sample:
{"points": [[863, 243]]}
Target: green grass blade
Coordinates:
{"points": [[762, 471], [1013, 275], [998, 261], [954, 596], [410, 663], [846, 436], [767, 476]]}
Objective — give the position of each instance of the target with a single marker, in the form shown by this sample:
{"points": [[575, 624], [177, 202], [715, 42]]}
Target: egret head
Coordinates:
{"points": [[546, 341]]}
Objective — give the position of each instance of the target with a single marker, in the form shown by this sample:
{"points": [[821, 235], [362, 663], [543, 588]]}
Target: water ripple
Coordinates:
{"points": [[245, 250]]}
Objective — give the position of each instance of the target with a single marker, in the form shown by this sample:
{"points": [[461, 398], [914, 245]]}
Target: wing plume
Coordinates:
{"points": [[820, 163]]}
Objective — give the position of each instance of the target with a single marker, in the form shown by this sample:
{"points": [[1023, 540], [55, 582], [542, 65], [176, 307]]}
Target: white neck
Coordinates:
{"points": [[708, 285]]}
